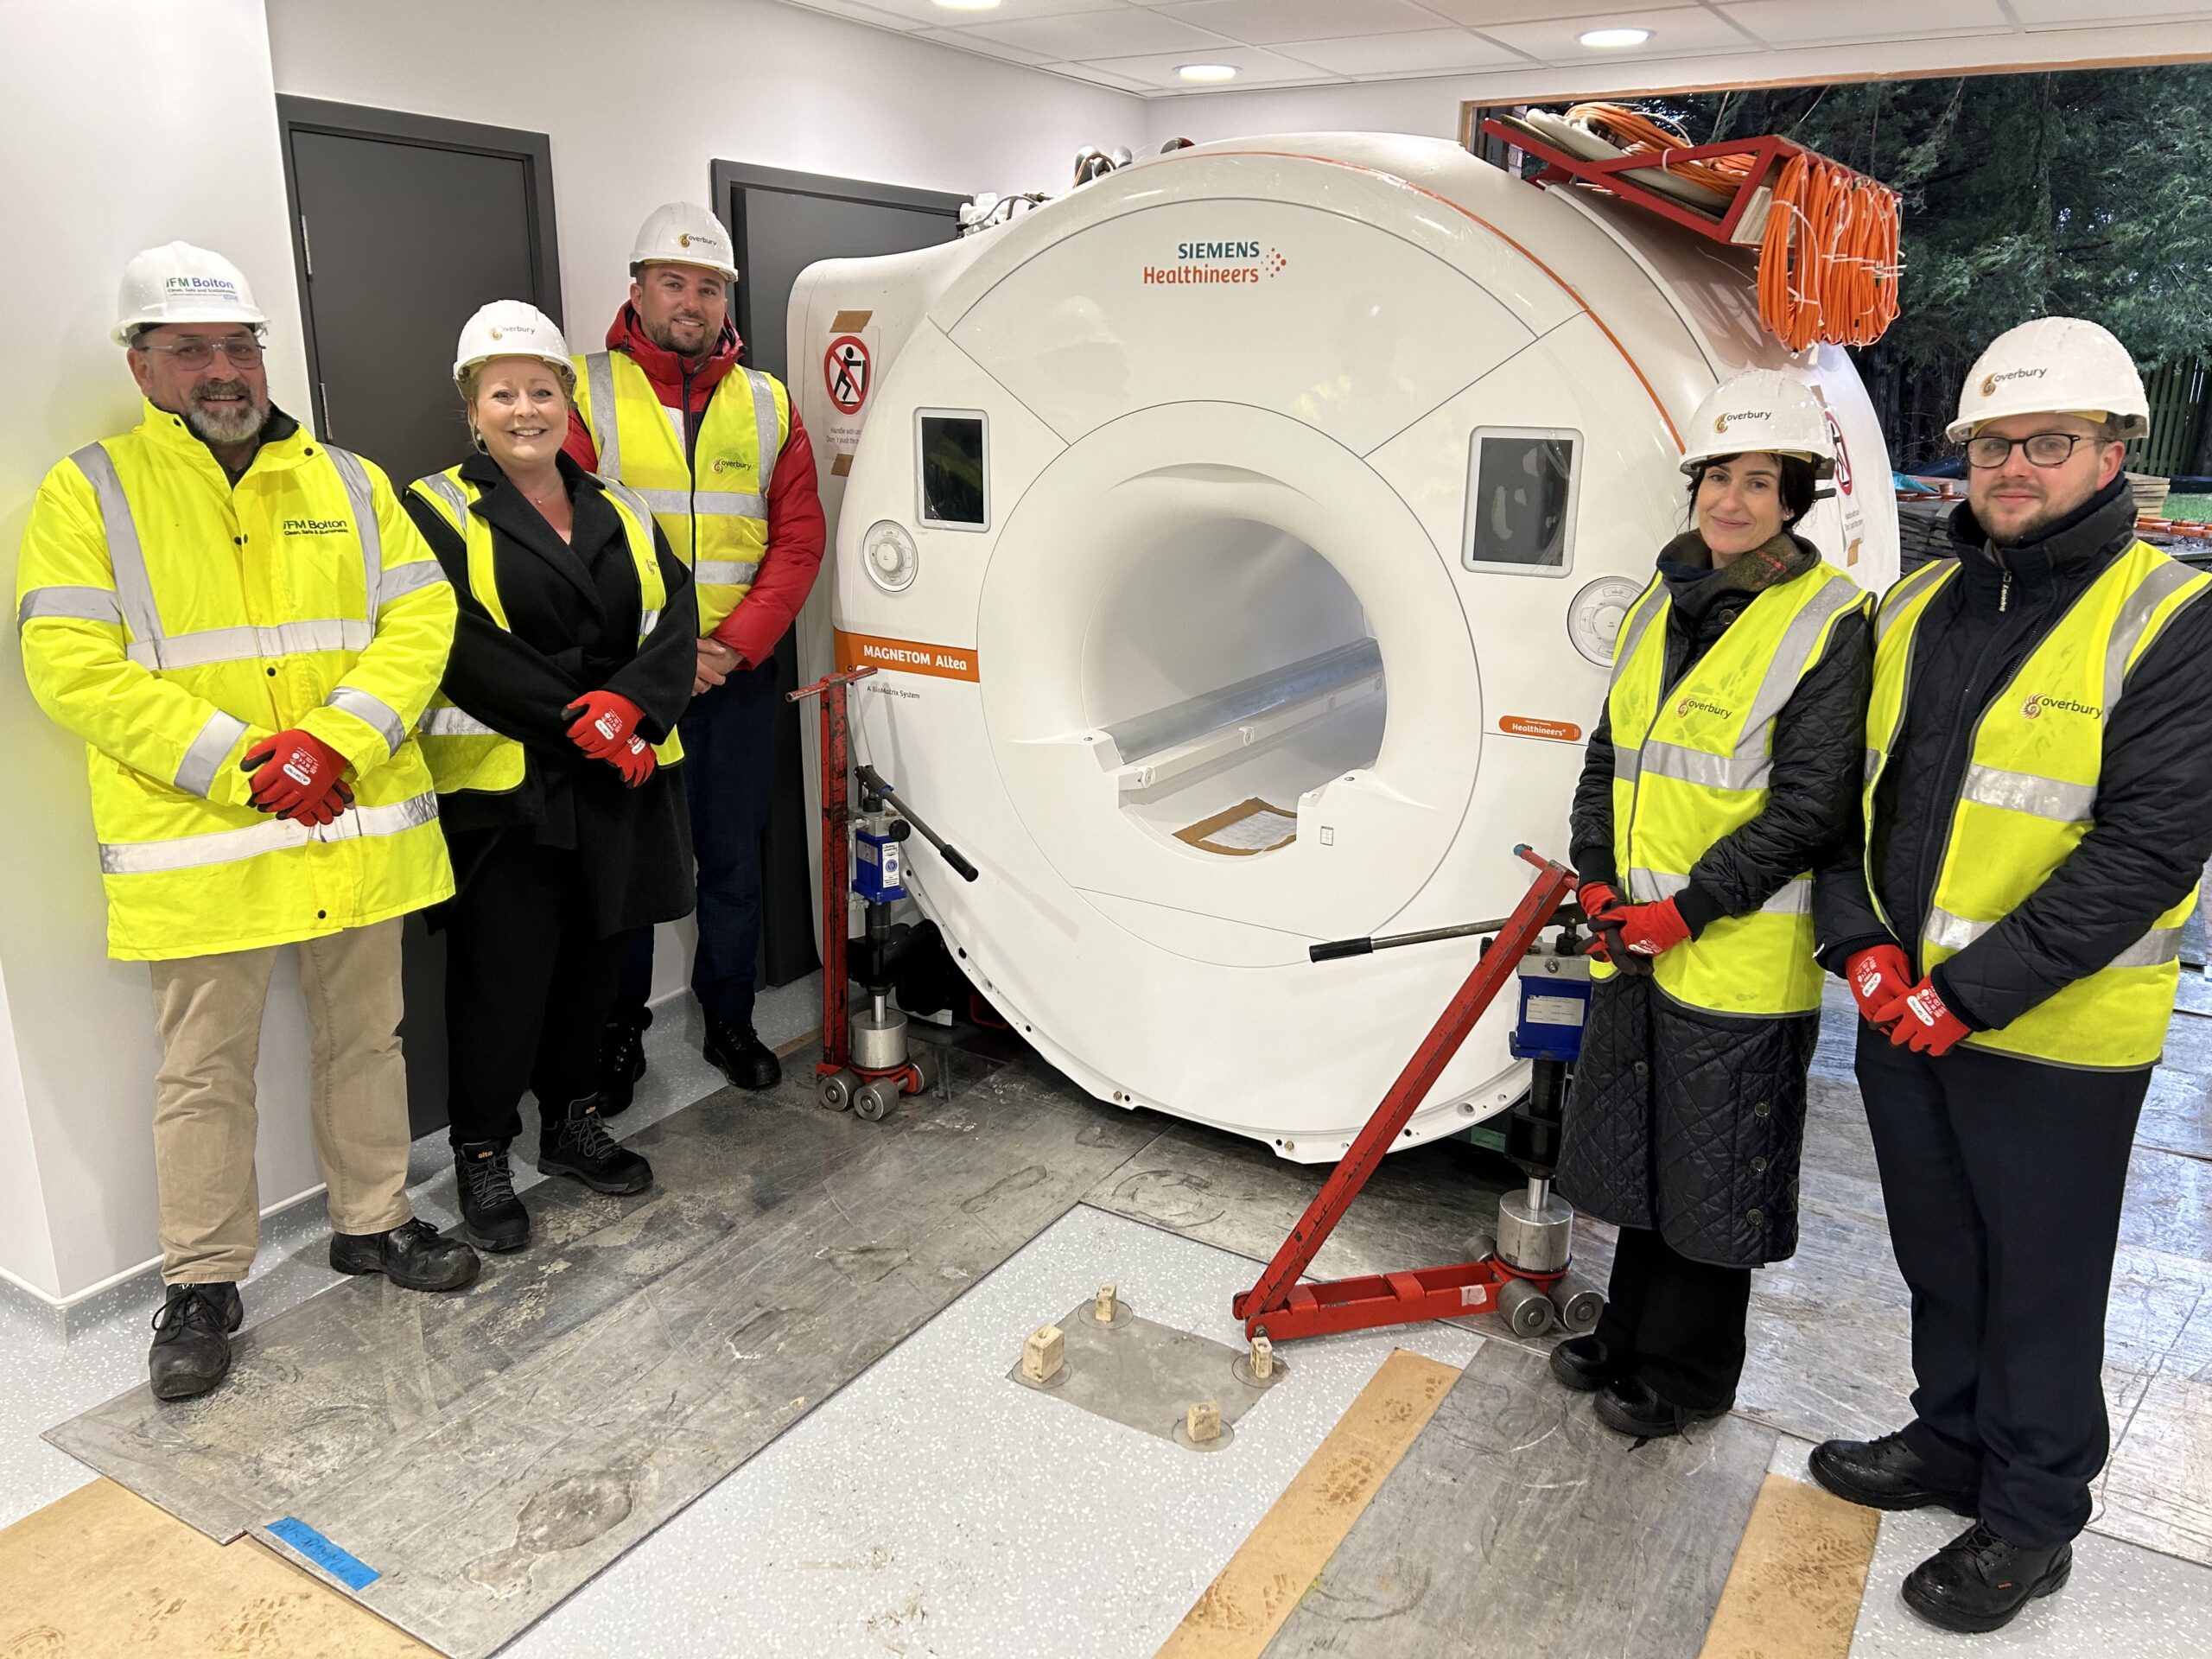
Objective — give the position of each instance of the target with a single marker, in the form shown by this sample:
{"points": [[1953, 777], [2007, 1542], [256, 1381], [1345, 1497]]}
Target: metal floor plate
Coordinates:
{"points": [[1146, 1375]]}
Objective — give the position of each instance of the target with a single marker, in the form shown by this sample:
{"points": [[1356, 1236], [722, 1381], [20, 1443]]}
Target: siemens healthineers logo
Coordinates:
{"points": [[1209, 262]]}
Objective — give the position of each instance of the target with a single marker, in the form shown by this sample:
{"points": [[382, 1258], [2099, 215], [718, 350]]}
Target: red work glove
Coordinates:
{"points": [[1879, 975], [635, 760], [1651, 930], [303, 782], [601, 723], [1923, 1024], [1596, 898]]}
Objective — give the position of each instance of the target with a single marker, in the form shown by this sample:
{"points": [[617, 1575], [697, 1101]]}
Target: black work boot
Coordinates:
{"points": [[491, 1217], [571, 1141], [622, 1058], [1886, 1474], [1584, 1364], [414, 1255], [1628, 1407], [192, 1339], [742, 1057], [1980, 1581]]}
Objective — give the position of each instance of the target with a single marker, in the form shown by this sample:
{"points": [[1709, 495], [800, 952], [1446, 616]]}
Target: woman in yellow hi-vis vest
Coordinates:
{"points": [[1723, 772], [552, 747]]}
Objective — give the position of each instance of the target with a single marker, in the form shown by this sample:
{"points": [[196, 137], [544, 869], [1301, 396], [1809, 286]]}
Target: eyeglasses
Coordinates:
{"points": [[242, 351], [2043, 449]]}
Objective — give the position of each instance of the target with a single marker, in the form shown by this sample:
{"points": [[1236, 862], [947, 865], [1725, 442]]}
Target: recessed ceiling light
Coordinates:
{"points": [[1596, 36], [968, 5], [1207, 71]]}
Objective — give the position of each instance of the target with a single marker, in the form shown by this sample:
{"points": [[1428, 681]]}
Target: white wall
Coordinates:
{"points": [[639, 103], [1431, 107], [125, 124]]}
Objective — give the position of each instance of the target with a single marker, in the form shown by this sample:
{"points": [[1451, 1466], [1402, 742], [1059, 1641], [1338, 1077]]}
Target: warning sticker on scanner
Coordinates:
{"points": [[907, 656]]}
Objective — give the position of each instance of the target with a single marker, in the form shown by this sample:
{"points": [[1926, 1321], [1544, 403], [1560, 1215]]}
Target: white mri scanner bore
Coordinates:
{"points": [[1240, 540]]}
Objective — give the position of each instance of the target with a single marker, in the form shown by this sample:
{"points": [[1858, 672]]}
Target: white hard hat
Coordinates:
{"points": [[509, 328], [1761, 410], [2053, 366], [685, 233], [178, 283]]}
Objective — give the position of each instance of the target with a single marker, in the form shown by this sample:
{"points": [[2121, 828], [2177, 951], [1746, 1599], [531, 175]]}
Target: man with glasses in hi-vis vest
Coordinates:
{"points": [[717, 451], [2037, 808], [243, 626]]}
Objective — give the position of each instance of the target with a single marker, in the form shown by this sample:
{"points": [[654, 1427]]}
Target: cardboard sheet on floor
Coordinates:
{"points": [[1580, 1544], [483, 1455], [1250, 826]]}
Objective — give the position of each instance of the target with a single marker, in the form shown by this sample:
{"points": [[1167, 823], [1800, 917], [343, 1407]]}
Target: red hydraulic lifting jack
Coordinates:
{"points": [[1528, 1291]]}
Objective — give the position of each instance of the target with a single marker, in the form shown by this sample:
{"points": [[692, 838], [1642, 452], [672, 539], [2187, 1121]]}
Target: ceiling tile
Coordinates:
{"points": [[1256, 66], [2090, 14], [1265, 23], [1429, 51], [1125, 31], [923, 14], [860, 14], [1673, 33], [1098, 77], [1818, 22], [1483, 14], [966, 40]]}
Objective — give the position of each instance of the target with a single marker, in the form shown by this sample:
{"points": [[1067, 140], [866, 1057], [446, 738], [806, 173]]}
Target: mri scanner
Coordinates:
{"points": [[1239, 542]]}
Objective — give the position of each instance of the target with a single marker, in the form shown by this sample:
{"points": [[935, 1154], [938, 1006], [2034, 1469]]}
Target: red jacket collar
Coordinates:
{"points": [[663, 368]]}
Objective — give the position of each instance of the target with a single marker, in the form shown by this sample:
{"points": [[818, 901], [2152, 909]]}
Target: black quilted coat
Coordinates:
{"points": [[1691, 1123]]}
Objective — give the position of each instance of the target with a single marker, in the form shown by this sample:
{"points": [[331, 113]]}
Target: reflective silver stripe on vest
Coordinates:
{"points": [[212, 645], [2041, 798], [704, 504], [1628, 765], [630, 499], [447, 491], [1869, 762], [1901, 595], [364, 705], [2157, 586], [77, 604], [1954, 933], [1649, 604], [448, 721], [764, 420], [599, 380], [196, 772], [279, 834], [1649, 887], [726, 572], [647, 621], [134, 589], [355, 477], [1737, 771], [405, 579]]}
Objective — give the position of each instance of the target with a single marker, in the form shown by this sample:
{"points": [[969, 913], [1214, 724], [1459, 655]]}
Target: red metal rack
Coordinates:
{"points": [[1769, 154]]}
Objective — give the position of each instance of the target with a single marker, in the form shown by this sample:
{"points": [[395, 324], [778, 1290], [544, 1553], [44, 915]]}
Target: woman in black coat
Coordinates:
{"points": [[1687, 1113], [573, 657]]}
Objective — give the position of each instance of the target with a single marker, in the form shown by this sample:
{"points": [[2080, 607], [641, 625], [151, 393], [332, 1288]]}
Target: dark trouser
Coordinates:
{"points": [[730, 751], [2003, 1180], [1681, 1321], [528, 987]]}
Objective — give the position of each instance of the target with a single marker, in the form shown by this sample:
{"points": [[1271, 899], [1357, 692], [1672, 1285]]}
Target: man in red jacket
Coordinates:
{"points": [[718, 452]]}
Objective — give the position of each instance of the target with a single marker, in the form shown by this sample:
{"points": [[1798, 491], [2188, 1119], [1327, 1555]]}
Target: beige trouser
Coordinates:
{"points": [[208, 1011]]}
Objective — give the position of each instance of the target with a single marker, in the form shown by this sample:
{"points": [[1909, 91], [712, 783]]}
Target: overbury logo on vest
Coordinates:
{"points": [[2036, 705], [318, 526], [1689, 705]]}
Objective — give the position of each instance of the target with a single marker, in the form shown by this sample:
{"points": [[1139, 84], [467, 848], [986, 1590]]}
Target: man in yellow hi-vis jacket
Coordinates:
{"points": [[243, 626]]}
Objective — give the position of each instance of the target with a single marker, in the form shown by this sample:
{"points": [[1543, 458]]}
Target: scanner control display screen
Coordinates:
{"points": [[952, 470]]}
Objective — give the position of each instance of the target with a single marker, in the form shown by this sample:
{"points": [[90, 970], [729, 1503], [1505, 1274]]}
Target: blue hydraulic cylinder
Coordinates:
{"points": [[878, 864], [1554, 1005]]}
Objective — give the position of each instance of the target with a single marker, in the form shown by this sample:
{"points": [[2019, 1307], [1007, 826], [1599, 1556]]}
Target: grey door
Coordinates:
{"points": [[780, 223], [401, 226]]}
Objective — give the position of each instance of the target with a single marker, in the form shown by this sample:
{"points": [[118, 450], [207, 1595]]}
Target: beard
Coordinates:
{"points": [[685, 336], [230, 424]]}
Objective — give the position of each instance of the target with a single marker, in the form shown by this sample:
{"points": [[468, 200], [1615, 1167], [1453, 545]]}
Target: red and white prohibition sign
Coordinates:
{"points": [[845, 370]]}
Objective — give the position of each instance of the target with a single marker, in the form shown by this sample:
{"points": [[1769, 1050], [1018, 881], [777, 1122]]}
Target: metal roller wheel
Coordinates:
{"points": [[875, 1100], [1525, 1309], [836, 1090], [1480, 1246], [928, 1066], [1578, 1305]]}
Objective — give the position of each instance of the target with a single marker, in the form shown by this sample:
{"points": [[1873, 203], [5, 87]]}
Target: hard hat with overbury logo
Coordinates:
{"points": [[2054, 366], [1762, 411], [685, 233]]}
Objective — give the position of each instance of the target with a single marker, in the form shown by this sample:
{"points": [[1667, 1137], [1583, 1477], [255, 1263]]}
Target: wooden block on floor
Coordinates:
{"points": [[1800, 1573], [102, 1572]]}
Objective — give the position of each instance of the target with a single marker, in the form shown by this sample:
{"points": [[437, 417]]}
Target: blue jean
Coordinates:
{"points": [[730, 751]]}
